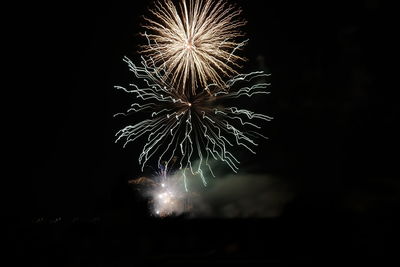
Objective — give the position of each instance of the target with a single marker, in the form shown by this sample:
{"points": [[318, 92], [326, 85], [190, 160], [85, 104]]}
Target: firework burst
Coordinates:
{"points": [[186, 84], [194, 42], [192, 128]]}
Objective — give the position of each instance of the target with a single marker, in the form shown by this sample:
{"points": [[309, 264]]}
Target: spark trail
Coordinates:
{"points": [[195, 128]]}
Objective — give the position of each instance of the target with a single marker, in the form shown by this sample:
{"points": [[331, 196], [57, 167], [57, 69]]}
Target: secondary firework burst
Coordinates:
{"points": [[164, 190], [192, 128], [194, 42], [168, 198]]}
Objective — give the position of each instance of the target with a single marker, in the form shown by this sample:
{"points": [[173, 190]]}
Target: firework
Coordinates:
{"points": [[187, 85], [194, 43], [167, 196], [192, 128], [164, 190]]}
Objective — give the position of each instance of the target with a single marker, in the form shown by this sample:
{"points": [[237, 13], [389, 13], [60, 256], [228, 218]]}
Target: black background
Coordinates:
{"points": [[332, 139]]}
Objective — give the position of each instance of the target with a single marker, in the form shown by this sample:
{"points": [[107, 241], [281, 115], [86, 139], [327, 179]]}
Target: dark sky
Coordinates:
{"points": [[331, 133], [332, 138]]}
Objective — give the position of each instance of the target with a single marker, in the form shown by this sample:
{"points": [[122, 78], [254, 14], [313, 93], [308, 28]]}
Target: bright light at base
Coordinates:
{"points": [[168, 198]]}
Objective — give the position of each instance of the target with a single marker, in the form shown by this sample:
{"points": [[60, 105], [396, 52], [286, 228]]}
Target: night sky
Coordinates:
{"points": [[332, 139]]}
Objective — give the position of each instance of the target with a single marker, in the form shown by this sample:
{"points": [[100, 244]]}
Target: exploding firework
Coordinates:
{"points": [[164, 190], [194, 43], [188, 88], [167, 196], [192, 128]]}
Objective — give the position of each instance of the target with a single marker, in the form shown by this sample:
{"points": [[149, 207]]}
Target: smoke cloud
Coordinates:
{"points": [[242, 196]]}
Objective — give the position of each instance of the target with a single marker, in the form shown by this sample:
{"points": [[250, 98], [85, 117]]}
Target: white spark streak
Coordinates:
{"points": [[197, 128]]}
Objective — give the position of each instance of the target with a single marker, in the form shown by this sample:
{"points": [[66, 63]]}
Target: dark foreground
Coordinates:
{"points": [[115, 240]]}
